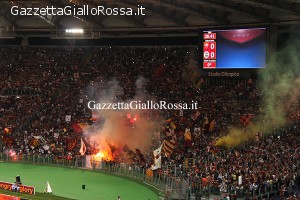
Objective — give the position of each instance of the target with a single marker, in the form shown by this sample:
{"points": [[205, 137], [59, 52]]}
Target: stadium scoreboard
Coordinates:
{"points": [[234, 48]]}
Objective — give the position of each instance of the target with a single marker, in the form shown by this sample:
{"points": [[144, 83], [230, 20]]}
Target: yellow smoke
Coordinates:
{"points": [[280, 87]]}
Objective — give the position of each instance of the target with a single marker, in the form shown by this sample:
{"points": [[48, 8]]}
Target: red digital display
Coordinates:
{"points": [[209, 36], [209, 64], [209, 50]]}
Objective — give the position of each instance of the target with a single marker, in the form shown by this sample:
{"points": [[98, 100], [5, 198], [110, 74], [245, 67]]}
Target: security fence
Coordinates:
{"points": [[168, 187]]}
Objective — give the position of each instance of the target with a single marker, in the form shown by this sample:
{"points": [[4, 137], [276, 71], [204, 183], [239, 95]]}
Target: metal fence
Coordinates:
{"points": [[167, 187]]}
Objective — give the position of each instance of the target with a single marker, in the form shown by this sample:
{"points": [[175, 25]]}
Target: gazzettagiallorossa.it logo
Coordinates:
{"points": [[73, 10]]}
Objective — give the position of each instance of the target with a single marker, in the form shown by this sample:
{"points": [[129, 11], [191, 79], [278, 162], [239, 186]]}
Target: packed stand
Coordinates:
{"points": [[44, 91]]}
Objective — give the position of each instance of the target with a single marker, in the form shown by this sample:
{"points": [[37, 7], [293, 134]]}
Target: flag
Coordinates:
{"points": [[149, 173], [206, 124], [125, 148], [172, 124], [246, 119], [71, 143], [80, 127], [212, 125], [140, 155], [196, 115], [168, 120], [157, 158], [7, 130], [34, 143], [82, 148], [130, 154], [169, 134], [157, 164], [168, 147], [40, 138], [112, 147], [7, 141], [237, 154], [187, 135]]}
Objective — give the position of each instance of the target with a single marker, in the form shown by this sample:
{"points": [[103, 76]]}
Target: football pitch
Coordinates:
{"points": [[67, 182]]}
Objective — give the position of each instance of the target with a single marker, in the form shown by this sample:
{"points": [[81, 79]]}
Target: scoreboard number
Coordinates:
{"points": [[209, 50]]}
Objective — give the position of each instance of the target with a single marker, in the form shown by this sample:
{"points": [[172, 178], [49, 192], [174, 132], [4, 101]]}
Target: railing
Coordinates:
{"points": [[167, 187], [157, 182], [212, 191]]}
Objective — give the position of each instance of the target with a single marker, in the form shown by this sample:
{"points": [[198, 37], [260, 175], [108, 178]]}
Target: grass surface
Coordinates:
{"points": [[37, 196], [66, 182]]}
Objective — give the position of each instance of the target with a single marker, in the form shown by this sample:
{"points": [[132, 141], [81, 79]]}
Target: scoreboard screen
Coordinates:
{"points": [[234, 48]]}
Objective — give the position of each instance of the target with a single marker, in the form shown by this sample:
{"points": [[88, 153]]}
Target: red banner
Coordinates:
{"points": [[22, 188], [7, 197]]}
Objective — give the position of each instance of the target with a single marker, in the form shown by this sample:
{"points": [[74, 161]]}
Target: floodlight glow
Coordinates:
{"points": [[74, 30]]}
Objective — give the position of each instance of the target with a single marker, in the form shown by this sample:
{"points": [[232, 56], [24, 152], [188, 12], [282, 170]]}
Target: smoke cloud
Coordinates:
{"points": [[115, 131], [280, 87]]}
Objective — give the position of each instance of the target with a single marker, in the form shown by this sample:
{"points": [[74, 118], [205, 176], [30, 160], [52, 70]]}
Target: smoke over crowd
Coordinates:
{"points": [[116, 129], [280, 87]]}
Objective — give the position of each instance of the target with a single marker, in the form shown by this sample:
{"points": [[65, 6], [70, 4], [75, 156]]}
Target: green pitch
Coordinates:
{"points": [[66, 182]]}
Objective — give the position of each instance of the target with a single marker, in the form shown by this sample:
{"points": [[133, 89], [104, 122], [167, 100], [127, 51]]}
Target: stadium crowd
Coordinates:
{"points": [[44, 93]]}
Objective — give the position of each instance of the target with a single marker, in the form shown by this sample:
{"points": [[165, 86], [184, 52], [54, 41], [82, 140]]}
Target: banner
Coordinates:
{"points": [[7, 197], [23, 188]]}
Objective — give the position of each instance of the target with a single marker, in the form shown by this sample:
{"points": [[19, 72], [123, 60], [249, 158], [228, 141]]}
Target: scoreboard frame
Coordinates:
{"points": [[212, 36]]}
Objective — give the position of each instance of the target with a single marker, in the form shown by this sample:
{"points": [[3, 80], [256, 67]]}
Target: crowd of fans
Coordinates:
{"points": [[41, 86]]}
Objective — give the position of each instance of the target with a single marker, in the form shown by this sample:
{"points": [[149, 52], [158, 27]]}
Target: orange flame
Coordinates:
{"points": [[103, 155]]}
